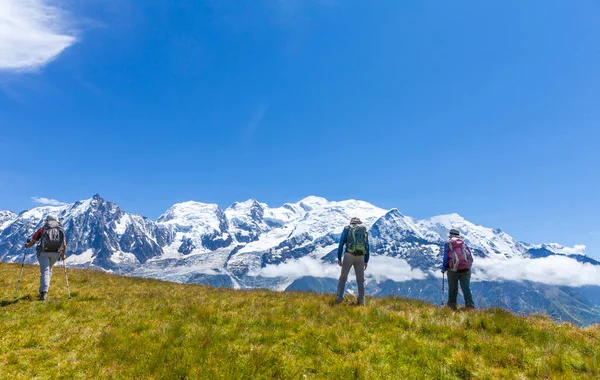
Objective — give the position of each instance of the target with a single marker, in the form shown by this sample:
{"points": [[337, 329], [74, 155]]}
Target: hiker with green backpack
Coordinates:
{"points": [[356, 240], [52, 245]]}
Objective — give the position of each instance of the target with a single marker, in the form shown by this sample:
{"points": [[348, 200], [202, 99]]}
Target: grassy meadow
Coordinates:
{"points": [[120, 327]]}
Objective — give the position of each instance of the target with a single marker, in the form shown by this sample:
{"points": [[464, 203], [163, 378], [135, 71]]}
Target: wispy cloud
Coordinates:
{"points": [[257, 117], [47, 201], [32, 33]]}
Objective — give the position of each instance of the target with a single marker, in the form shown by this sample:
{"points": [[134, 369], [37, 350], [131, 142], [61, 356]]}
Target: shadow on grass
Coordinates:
{"points": [[348, 301], [89, 298], [5, 303]]}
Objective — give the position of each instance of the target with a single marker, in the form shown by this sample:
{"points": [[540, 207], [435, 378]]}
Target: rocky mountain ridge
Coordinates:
{"points": [[249, 243]]}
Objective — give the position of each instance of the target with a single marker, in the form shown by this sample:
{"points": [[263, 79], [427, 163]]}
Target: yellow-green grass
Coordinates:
{"points": [[120, 327]]}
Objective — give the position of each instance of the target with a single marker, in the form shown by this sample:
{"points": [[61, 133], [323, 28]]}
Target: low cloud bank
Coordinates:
{"points": [[552, 270], [380, 268]]}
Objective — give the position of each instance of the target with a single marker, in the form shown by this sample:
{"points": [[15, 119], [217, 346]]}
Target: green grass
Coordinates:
{"points": [[119, 327]]}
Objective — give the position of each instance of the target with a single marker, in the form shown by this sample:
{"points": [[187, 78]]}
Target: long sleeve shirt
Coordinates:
{"points": [[447, 252], [343, 239]]}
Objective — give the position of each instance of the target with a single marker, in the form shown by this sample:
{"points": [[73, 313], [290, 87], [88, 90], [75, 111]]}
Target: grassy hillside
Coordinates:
{"points": [[118, 327]]}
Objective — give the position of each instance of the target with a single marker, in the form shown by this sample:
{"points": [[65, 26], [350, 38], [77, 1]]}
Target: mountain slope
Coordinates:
{"points": [[251, 244], [190, 331], [99, 233], [5, 217], [485, 241]]}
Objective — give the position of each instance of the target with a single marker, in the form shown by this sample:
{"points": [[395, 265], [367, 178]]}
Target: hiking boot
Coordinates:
{"points": [[469, 308], [338, 301], [360, 302], [43, 296]]}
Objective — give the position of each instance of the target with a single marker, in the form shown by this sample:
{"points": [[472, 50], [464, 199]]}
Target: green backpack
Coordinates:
{"points": [[356, 240]]}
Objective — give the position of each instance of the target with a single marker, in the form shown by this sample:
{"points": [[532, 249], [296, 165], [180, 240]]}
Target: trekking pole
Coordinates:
{"points": [[443, 283], [21, 273], [67, 279]]}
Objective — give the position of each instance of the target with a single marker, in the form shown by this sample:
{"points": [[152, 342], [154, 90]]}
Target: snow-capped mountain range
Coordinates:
{"points": [[246, 244]]}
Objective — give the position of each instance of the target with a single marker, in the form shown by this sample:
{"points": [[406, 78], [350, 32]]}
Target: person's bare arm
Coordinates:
{"points": [[33, 239]]}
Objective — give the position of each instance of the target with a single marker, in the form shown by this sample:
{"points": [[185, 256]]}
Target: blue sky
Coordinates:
{"points": [[488, 109]]}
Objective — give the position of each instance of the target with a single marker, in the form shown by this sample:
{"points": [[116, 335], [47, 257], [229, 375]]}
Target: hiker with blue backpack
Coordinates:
{"points": [[52, 245], [356, 240], [457, 262]]}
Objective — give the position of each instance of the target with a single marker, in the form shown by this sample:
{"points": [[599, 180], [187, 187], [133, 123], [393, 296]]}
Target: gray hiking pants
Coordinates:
{"points": [[47, 260], [465, 284], [358, 262]]}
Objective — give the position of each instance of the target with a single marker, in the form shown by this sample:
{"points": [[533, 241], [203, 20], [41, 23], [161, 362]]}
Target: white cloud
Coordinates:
{"points": [[32, 33], [305, 266], [551, 270], [557, 248], [390, 268], [576, 250], [47, 201], [380, 268]]}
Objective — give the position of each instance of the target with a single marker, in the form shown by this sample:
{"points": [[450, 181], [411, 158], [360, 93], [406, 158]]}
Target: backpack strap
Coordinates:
{"points": [[468, 254], [350, 232]]}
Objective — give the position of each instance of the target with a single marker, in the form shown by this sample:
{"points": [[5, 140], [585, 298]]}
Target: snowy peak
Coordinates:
{"points": [[250, 208], [312, 202], [395, 225], [397, 235], [197, 227], [447, 221], [6, 216], [246, 220], [487, 241], [332, 217], [98, 233], [244, 245], [37, 214], [249, 235], [190, 213], [307, 232], [94, 204], [291, 212]]}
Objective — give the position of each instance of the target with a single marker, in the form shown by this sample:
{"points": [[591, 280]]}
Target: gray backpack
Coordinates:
{"points": [[52, 237]]}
